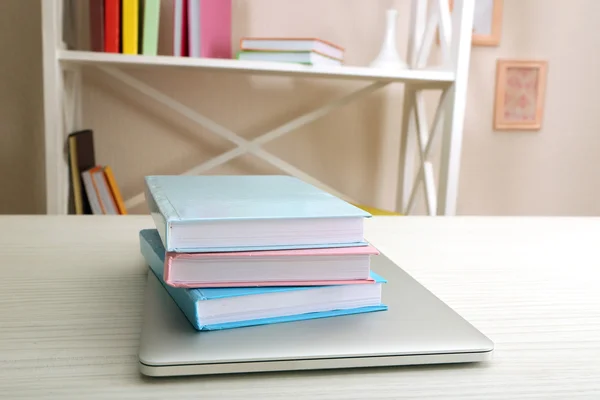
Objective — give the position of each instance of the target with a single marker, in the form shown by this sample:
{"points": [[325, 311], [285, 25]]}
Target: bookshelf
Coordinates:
{"points": [[432, 77], [63, 111]]}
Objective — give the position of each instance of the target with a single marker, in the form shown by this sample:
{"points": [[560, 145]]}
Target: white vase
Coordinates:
{"points": [[388, 55]]}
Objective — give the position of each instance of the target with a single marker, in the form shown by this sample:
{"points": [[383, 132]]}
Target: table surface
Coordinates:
{"points": [[71, 312]]}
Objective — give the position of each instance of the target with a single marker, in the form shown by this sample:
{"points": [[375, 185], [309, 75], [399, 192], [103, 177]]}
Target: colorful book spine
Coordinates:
{"points": [[150, 27], [209, 23], [114, 188], [112, 26], [180, 28], [96, 24], [130, 26]]}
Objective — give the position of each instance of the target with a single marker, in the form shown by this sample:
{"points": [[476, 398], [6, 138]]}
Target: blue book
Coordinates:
{"points": [[243, 213], [225, 308]]}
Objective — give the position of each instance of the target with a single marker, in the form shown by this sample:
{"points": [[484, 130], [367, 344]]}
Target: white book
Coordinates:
{"points": [[305, 57], [178, 12], [194, 27], [104, 192], [293, 44], [91, 193]]}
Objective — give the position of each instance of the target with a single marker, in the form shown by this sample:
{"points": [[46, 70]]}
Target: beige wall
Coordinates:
{"points": [[21, 123], [554, 171]]}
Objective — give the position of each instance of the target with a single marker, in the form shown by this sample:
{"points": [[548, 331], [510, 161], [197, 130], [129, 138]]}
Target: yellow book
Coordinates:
{"points": [[75, 178], [130, 21], [112, 183]]}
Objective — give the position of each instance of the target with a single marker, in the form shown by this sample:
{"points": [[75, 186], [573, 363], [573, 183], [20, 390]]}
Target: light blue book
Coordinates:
{"points": [[243, 213], [215, 309]]}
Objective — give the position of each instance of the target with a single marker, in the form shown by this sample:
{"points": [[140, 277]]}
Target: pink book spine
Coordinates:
{"points": [[215, 28], [327, 251]]}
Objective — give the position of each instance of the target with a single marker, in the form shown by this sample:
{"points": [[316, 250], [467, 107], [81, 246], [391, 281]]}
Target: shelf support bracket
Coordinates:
{"points": [[243, 146]]}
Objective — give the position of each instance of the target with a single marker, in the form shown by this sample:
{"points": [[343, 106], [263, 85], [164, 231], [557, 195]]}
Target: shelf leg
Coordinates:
{"points": [[406, 158], [54, 133], [454, 110]]}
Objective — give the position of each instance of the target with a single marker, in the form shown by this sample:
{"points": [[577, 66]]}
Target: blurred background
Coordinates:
{"points": [[551, 171]]}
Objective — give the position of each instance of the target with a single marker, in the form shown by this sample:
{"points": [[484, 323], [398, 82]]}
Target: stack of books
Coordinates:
{"points": [[307, 51], [238, 251]]}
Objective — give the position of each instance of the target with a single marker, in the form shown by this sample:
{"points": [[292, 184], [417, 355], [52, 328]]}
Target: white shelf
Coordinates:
{"points": [[426, 76]]}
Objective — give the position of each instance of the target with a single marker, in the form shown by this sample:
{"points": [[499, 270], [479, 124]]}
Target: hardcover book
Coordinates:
{"points": [[209, 23], [295, 57], [267, 44], [243, 213], [303, 267]]}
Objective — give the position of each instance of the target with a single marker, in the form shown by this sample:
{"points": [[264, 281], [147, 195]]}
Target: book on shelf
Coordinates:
{"points": [[297, 57], [180, 28], [81, 155], [149, 27], [318, 46], [226, 308], [102, 191], [129, 26], [213, 213], [96, 8], [303, 267], [199, 28], [112, 26], [209, 27]]}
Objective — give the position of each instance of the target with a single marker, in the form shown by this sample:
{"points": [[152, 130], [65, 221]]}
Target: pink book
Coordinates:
{"points": [[209, 28], [303, 267]]}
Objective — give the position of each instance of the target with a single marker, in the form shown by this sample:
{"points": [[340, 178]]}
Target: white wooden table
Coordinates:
{"points": [[71, 302]]}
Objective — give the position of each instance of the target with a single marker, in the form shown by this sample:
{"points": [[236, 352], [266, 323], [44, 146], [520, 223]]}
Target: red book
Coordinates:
{"points": [[112, 26]]}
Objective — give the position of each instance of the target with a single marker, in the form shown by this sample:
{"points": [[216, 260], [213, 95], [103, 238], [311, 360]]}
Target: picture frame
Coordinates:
{"points": [[520, 94], [487, 22]]}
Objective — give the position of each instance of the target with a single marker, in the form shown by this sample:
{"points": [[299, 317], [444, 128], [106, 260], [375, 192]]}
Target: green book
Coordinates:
{"points": [[150, 27]]}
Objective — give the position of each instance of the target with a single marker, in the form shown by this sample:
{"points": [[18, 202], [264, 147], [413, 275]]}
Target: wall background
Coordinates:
{"points": [[551, 172]]}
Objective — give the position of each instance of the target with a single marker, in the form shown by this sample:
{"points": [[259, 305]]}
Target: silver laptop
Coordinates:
{"points": [[418, 328]]}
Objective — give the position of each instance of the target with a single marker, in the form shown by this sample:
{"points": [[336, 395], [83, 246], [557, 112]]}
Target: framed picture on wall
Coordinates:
{"points": [[520, 92], [487, 22]]}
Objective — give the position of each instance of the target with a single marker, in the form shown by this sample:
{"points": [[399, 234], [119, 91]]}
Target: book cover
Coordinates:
{"points": [[92, 192], [209, 28], [151, 17], [96, 25], [112, 26], [152, 239], [187, 299], [297, 57], [180, 28], [105, 197], [130, 21], [114, 188], [292, 44], [81, 158], [173, 199]]}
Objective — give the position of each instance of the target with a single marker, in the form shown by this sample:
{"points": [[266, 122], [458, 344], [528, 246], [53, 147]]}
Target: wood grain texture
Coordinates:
{"points": [[70, 312]]}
